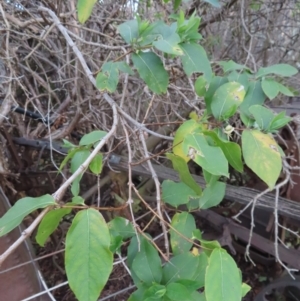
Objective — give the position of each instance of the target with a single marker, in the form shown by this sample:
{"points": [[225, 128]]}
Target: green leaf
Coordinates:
{"points": [[198, 296], [216, 82], [122, 226], [129, 31], [147, 264], [75, 187], [262, 116], [254, 96], [270, 88], [78, 158], [242, 78], [137, 246], [96, 164], [279, 69], [85, 8], [227, 99], [214, 3], [279, 121], [182, 266], [71, 153], [14, 216], [177, 292], [116, 242], [199, 275], [262, 155], [191, 285], [156, 31], [208, 246], [123, 66], [245, 289], [88, 259], [109, 77], [284, 90], [156, 291], [212, 195], [176, 194], [195, 60], [78, 200], [186, 128], [50, 223], [181, 167], [169, 45], [68, 144], [230, 65], [247, 121], [151, 70], [92, 137], [138, 295], [231, 150], [208, 157], [184, 223], [176, 4], [201, 86], [222, 279]]}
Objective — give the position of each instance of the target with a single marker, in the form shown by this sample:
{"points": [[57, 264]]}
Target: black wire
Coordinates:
{"points": [[36, 116]]}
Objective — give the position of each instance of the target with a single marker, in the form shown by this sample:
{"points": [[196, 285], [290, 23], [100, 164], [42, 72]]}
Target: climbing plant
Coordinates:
{"points": [[198, 269]]}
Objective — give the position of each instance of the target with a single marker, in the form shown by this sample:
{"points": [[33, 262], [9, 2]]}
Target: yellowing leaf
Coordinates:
{"points": [[187, 127], [262, 155], [85, 8]]}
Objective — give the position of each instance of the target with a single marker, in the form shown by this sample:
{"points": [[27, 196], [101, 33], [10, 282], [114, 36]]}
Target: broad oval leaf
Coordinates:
{"points": [[122, 226], [129, 31], [212, 195], [152, 71], [262, 116], [147, 264], [85, 8], [178, 292], [222, 279], [186, 128], [79, 158], [14, 216], [176, 194], [270, 88], [254, 96], [138, 246], [215, 83], [92, 137], [278, 69], [88, 259], [49, 224], [195, 60], [210, 158], [169, 45], [262, 155], [184, 223], [96, 164], [230, 65], [201, 86], [182, 266], [231, 150], [227, 99], [242, 78], [155, 292]]}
